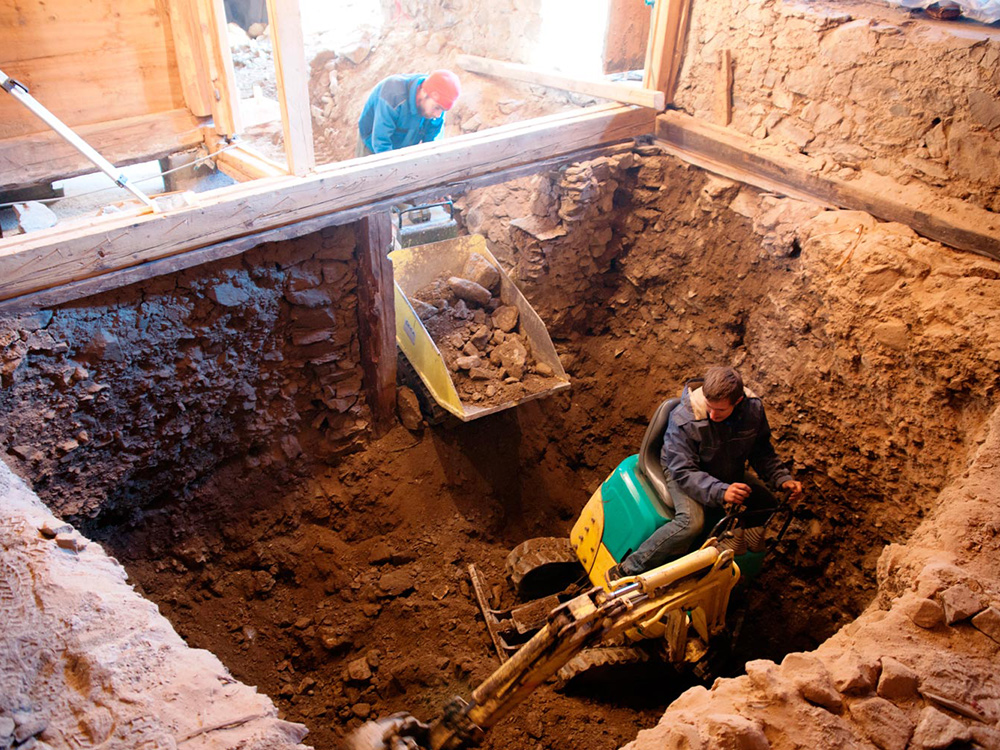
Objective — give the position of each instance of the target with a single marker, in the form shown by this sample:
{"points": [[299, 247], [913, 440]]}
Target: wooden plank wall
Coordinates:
{"points": [[88, 61]]}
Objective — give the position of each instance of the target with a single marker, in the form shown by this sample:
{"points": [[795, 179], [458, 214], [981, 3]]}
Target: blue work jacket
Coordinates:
{"points": [[705, 457], [391, 119]]}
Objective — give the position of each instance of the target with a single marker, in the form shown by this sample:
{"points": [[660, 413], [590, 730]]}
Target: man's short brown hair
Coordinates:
{"points": [[723, 383]]}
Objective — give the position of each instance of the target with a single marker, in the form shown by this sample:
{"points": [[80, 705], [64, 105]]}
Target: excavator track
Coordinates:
{"points": [[543, 566], [597, 665]]}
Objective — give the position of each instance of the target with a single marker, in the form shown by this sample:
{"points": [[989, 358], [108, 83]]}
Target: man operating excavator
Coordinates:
{"points": [[710, 436]]}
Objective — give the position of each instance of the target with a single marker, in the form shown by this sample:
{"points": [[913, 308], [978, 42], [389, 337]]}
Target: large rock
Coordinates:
{"points": [[505, 318], [937, 730], [34, 216], [923, 612], [408, 408], [897, 682], [960, 603], [470, 291], [853, 673], [479, 270], [884, 724], [988, 623], [512, 356], [812, 679]]}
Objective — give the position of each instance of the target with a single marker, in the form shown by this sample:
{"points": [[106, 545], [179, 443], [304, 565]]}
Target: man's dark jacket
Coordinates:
{"points": [[705, 457], [391, 118]]}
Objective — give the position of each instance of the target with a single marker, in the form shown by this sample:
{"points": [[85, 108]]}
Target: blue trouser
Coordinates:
{"points": [[673, 538]]}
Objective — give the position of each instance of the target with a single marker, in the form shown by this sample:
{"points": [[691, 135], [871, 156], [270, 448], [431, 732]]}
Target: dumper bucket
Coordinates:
{"points": [[416, 269]]}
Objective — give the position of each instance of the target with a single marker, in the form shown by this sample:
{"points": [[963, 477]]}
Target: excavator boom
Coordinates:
{"points": [[694, 588]]}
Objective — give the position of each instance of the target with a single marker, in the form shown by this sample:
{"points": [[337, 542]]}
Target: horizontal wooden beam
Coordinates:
{"points": [[53, 257], [949, 221], [242, 162], [46, 157], [616, 92], [234, 246]]}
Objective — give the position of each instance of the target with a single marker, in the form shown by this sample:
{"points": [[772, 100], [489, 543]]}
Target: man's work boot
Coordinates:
{"points": [[612, 574]]}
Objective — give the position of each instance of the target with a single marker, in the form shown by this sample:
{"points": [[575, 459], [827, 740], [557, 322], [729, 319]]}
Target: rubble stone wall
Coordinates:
{"points": [[117, 399], [863, 86]]}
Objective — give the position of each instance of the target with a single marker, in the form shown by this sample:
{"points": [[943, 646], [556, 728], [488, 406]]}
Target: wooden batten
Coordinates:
{"points": [[665, 49]]}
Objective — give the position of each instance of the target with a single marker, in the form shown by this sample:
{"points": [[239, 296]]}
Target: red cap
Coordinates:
{"points": [[443, 87]]}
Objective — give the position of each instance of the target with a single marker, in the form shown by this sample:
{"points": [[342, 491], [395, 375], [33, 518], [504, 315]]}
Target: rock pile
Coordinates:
{"points": [[479, 335]]}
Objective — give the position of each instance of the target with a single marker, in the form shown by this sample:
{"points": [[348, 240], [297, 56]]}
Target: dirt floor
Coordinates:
{"points": [[350, 598]]}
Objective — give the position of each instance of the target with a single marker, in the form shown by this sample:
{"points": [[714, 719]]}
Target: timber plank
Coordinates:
{"points": [[50, 258], [951, 221], [44, 157], [665, 50]]}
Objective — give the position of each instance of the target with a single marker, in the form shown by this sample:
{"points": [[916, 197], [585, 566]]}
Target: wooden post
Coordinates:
{"points": [[665, 50], [377, 318], [724, 89], [285, 24], [224, 94]]}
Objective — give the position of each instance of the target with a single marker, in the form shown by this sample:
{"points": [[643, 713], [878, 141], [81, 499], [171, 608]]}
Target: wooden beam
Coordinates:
{"points": [[51, 257], [377, 318], [228, 248], [46, 157], [285, 25], [215, 43], [665, 50], [604, 89], [951, 221], [243, 163], [190, 52]]}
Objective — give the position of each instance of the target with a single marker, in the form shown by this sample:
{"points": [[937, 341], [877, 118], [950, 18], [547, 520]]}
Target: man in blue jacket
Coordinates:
{"points": [[404, 110], [710, 436]]}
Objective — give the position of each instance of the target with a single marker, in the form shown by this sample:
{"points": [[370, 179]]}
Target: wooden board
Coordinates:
{"points": [[377, 318], [618, 92], [53, 257], [191, 56], [214, 42], [728, 153], [87, 62], [292, 76], [43, 157]]}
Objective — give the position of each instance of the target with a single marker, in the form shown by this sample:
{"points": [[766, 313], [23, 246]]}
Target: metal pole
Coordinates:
{"points": [[20, 92]]}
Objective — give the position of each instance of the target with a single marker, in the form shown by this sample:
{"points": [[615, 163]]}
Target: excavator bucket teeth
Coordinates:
{"points": [[494, 624]]}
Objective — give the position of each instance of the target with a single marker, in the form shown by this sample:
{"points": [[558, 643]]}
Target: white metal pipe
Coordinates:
{"points": [[20, 92]]}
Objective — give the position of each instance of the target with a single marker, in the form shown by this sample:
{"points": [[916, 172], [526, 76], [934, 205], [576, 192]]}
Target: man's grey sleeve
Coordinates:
{"points": [[679, 458], [764, 460]]}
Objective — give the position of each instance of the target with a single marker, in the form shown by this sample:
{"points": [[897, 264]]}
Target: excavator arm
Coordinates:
{"points": [[696, 588]]}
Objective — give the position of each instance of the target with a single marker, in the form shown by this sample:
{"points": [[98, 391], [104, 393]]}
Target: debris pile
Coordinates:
{"points": [[478, 332]]}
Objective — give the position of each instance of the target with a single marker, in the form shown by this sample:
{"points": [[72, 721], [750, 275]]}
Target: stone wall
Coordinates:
{"points": [[864, 87], [117, 399]]}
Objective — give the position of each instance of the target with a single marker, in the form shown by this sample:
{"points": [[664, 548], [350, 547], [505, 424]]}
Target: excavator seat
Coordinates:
{"points": [[652, 444]]}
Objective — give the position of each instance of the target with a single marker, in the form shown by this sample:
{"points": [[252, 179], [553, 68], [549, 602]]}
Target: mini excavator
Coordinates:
{"points": [[677, 612]]}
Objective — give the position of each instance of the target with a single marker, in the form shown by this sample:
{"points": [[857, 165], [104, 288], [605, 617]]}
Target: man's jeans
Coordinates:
{"points": [[676, 537], [673, 538]]}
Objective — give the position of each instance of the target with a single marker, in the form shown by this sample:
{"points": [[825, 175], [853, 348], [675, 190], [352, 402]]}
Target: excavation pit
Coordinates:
{"points": [[337, 584]]}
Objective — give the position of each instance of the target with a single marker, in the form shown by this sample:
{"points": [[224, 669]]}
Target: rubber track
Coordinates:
{"points": [[534, 554], [598, 658]]}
